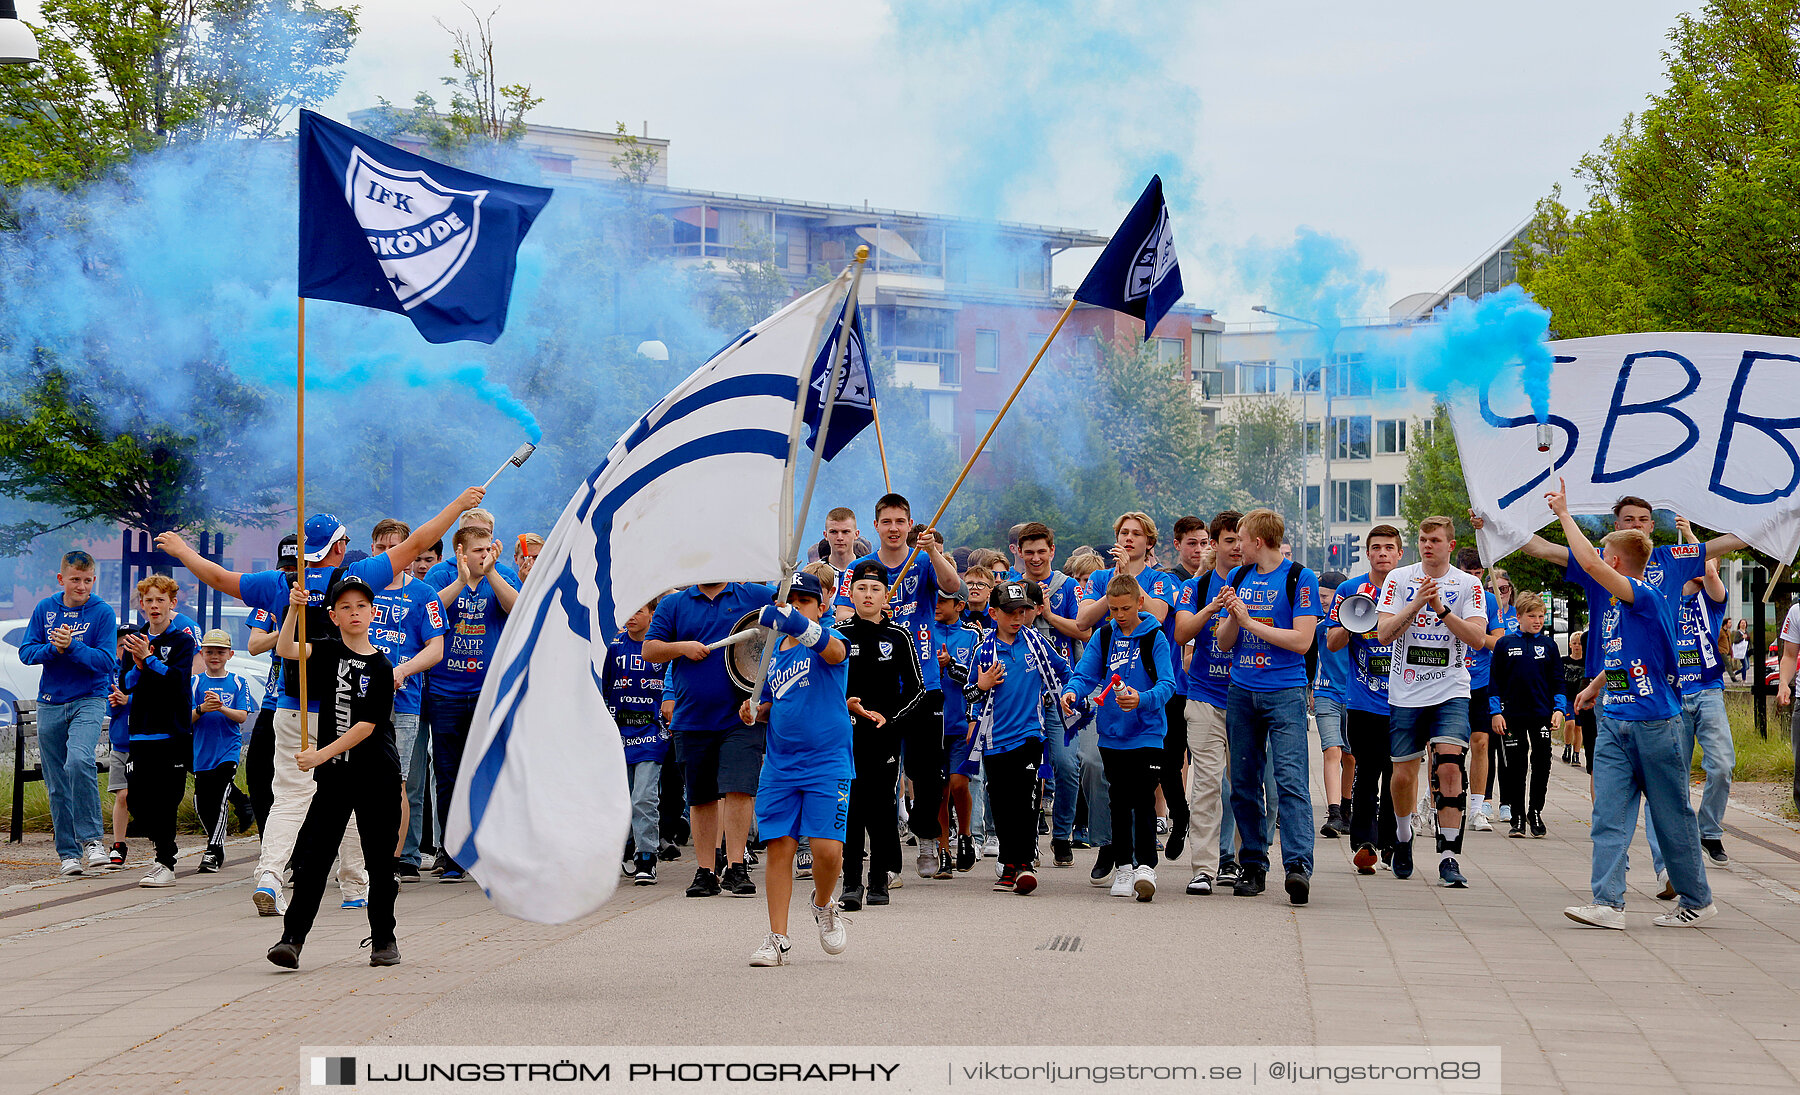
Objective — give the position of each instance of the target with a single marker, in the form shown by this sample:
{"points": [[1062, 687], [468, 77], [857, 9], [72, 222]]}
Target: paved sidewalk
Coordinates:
{"points": [[106, 987]]}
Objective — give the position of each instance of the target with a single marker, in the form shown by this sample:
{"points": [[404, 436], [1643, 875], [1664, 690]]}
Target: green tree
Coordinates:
{"points": [[481, 113], [120, 77], [1692, 206], [1264, 465], [755, 290]]}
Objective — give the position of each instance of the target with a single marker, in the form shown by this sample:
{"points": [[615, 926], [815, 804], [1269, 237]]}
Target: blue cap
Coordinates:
{"points": [[322, 531], [808, 584]]}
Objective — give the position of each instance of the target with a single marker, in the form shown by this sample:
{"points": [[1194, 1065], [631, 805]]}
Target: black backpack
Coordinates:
{"points": [[1146, 646], [1293, 585]]}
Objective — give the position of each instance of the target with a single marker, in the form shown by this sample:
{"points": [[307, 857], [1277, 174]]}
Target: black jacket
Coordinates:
{"points": [[884, 669]]}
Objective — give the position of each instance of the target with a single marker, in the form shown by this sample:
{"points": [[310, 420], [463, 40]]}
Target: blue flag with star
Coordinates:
{"points": [[1137, 273], [854, 407], [383, 228]]}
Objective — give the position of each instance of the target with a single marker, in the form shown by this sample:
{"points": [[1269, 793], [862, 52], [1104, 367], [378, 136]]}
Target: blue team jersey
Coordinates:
{"points": [[1065, 601], [960, 640], [268, 590], [705, 700], [1509, 621], [406, 619], [1671, 567], [1018, 701], [474, 621], [1697, 643], [1334, 667], [1367, 687], [633, 689], [1209, 670], [1481, 666], [808, 743], [913, 608], [1262, 666], [217, 739], [264, 620], [1637, 644]]}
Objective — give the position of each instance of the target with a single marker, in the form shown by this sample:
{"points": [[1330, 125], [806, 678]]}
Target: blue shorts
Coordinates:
{"points": [[956, 748], [1411, 730], [818, 811], [728, 762], [1328, 713]]}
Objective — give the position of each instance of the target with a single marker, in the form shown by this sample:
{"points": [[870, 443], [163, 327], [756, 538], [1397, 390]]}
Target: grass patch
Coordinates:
{"points": [[1759, 759], [37, 805]]}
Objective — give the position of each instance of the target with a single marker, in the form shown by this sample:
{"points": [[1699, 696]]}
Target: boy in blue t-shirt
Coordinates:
{"points": [[1272, 611], [1330, 694], [221, 704], [1638, 749], [804, 787], [956, 641], [71, 634], [633, 690]]}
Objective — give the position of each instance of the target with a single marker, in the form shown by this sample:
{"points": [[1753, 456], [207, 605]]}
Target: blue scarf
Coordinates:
{"points": [[1040, 659]]}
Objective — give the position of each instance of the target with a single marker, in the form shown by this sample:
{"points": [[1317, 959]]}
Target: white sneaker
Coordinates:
{"points": [[896, 880], [1122, 881], [928, 858], [1684, 917], [1597, 916], [1505, 812], [70, 868], [98, 858], [990, 848], [832, 934], [1144, 882], [268, 898], [1480, 823], [158, 877], [773, 952]]}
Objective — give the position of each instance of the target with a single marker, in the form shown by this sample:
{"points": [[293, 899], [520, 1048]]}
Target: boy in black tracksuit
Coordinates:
{"points": [[884, 685], [1527, 687], [354, 762], [162, 729]]}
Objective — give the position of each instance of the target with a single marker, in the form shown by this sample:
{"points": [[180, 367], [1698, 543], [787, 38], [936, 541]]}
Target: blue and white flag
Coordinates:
{"points": [[854, 407], [694, 492], [1137, 273], [383, 228]]}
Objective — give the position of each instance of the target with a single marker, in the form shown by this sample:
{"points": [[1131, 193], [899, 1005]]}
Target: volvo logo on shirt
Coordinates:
{"points": [[421, 231]]}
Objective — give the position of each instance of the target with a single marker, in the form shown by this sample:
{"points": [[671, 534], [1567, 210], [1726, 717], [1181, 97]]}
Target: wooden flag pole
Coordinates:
{"points": [[976, 455], [887, 482], [300, 516]]}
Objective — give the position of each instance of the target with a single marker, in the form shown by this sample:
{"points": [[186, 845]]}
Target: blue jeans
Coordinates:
{"points": [[1094, 786], [1065, 763], [411, 739], [67, 735], [1635, 760], [448, 718], [1703, 720], [1228, 824], [645, 778], [1262, 726]]}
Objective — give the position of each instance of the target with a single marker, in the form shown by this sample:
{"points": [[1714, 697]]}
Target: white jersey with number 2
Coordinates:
{"points": [[1430, 664]]}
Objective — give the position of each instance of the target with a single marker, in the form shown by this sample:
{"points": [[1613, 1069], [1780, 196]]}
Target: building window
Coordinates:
{"points": [[1212, 384], [1260, 378], [1308, 370], [1172, 352], [1312, 499], [941, 406], [1424, 430], [1349, 375], [1388, 497], [1390, 435], [779, 250], [1350, 437], [1312, 439], [1350, 501], [984, 419], [1387, 376], [987, 351]]}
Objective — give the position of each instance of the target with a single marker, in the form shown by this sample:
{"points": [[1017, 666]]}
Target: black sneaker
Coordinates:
{"points": [[669, 852], [645, 875], [1062, 852], [1450, 875], [736, 881], [965, 853], [1249, 883], [212, 859], [705, 884], [877, 894], [852, 900], [1172, 848], [1535, 819], [1334, 823], [1299, 887], [286, 955], [1228, 871], [388, 954], [1403, 863], [1716, 849], [1102, 873], [405, 872], [246, 818], [1517, 829]]}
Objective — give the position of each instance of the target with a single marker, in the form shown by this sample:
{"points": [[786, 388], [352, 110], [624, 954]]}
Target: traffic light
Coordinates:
{"points": [[1352, 551], [1334, 554]]}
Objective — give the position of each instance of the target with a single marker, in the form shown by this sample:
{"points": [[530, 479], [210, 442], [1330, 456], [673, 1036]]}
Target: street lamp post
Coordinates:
{"points": [[1324, 440], [18, 46]]}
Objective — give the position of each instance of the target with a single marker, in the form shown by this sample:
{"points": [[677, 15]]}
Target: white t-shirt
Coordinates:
{"points": [[1430, 664], [1790, 631]]}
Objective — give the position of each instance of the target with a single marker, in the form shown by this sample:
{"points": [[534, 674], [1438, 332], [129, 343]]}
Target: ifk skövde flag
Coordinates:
{"points": [[1137, 273], [383, 228], [854, 407], [692, 493]]}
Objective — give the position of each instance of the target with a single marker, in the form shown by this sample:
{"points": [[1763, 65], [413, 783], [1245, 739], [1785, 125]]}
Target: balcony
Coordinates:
{"points": [[926, 369]]}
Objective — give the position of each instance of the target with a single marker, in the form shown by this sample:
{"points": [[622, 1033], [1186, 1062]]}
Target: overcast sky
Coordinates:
{"points": [[1420, 133]]}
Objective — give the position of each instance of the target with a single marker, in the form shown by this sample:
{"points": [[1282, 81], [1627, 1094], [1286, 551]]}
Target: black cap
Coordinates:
{"points": [[288, 555], [1034, 593], [807, 585], [349, 583], [1010, 595], [869, 570], [961, 596]]}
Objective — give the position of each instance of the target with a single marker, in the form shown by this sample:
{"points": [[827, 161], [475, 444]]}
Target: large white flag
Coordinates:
{"points": [[1704, 424], [692, 493]]}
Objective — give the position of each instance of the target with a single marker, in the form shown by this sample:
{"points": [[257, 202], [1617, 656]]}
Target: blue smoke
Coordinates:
{"points": [[1474, 341]]}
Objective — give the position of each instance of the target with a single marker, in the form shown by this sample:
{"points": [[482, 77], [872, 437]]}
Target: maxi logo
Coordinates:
{"points": [[421, 231]]}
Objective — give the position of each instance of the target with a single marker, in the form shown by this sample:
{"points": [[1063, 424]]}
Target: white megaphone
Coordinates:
{"points": [[1357, 613]]}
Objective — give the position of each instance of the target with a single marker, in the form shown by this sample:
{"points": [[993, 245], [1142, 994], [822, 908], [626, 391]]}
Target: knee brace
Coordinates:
{"points": [[1453, 761]]}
